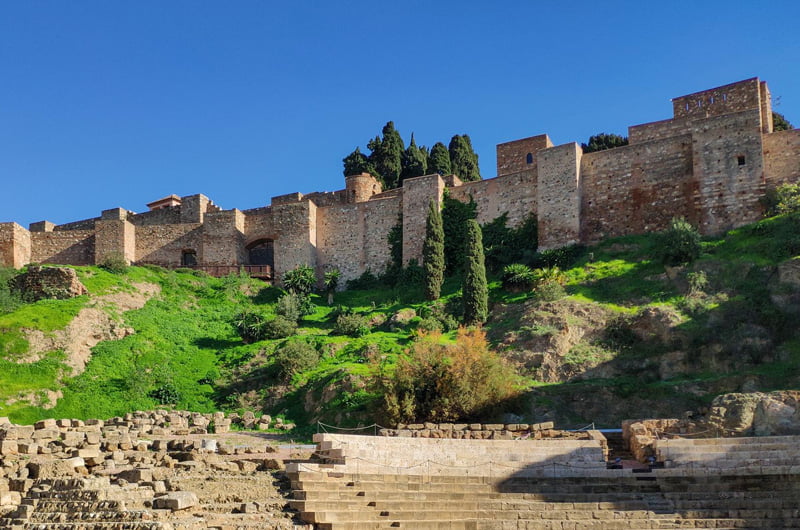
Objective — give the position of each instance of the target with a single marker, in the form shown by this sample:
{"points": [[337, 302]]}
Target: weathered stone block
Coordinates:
{"points": [[176, 500]]}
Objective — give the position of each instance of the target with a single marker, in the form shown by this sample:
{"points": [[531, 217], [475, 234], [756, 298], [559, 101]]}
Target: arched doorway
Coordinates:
{"points": [[261, 252]]}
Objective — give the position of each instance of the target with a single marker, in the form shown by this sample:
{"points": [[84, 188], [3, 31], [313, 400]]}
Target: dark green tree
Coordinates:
{"points": [[602, 141], [463, 159], [474, 288], [356, 163], [433, 252], [387, 156], [439, 161], [414, 161], [455, 215], [780, 123]]}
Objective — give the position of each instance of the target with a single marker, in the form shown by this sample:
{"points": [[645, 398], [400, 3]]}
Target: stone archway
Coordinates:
{"points": [[261, 252]]}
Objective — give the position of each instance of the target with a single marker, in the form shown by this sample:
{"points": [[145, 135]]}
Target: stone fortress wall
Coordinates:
{"points": [[711, 163]]}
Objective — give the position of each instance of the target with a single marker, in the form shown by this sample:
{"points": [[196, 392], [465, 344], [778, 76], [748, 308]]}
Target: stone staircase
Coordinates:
{"points": [[374, 482]]}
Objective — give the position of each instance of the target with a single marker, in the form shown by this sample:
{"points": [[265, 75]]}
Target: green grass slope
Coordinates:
{"points": [[735, 327]]}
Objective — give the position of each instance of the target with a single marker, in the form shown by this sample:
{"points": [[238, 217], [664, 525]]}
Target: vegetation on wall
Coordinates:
{"points": [[603, 141], [780, 123]]}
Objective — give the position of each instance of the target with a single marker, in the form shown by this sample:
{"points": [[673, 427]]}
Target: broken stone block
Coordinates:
{"points": [[45, 424], [176, 500]]}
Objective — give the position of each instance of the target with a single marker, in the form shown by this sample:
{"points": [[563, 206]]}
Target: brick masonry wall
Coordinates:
{"points": [[114, 236], [512, 157], [353, 238], [295, 230], [559, 198], [736, 97], [74, 247], [782, 157], [637, 188], [85, 224], [658, 130], [223, 238], [512, 194], [258, 225], [164, 244], [417, 194], [729, 192], [15, 245], [162, 216]]}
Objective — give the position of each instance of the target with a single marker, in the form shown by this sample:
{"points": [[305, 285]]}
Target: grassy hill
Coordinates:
{"points": [[629, 338]]}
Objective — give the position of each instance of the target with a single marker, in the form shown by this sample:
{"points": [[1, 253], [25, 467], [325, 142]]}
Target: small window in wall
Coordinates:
{"points": [[740, 160], [529, 158], [189, 258]]}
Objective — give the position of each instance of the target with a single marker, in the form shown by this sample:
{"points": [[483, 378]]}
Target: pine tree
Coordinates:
{"points": [[439, 160], [414, 162], [474, 288], [463, 159], [387, 155], [433, 252]]}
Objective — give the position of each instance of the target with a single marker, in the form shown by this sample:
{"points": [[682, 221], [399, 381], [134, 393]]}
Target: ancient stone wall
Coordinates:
{"points": [[73, 247], [223, 238], [658, 130], [782, 157], [520, 155], [728, 165], [85, 224], [15, 245], [559, 196], [164, 244], [295, 224], [114, 235], [726, 99], [637, 188], [417, 194], [513, 194], [258, 224]]}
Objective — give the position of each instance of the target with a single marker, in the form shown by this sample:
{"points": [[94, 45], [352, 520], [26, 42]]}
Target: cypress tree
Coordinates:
{"points": [[474, 288], [439, 160], [387, 156], [463, 159], [433, 252], [414, 161]]}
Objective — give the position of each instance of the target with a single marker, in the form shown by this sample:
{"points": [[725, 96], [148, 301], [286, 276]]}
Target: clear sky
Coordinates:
{"points": [[110, 103]]}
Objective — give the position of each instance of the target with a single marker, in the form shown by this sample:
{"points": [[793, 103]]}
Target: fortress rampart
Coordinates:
{"points": [[711, 163]]}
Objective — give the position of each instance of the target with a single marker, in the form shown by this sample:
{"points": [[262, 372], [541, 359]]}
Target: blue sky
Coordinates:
{"points": [[110, 103]]}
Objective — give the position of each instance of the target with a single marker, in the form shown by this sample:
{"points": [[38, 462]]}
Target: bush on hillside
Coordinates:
{"points": [[440, 382], [280, 327], [678, 245], [300, 280], [353, 325], [783, 199], [518, 277], [295, 357], [10, 299], [114, 262], [294, 306], [251, 325]]}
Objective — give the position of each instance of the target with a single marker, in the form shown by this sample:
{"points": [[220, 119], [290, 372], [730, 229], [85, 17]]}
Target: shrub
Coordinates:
{"points": [[295, 357], [280, 327], [433, 252], [549, 291], [504, 245], [114, 262], [365, 282], [9, 298], [783, 199], [331, 282], [351, 324], [294, 306], [166, 394], [250, 325], [678, 245], [300, 280], [474, 287], [439, 382], [518, 277]]}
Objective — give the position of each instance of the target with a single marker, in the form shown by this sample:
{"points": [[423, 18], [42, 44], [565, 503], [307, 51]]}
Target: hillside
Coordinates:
{"points": [[629, 338]]}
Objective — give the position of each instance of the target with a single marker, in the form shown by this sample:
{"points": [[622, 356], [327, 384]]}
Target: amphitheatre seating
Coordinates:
{"points": [[365, 482]]}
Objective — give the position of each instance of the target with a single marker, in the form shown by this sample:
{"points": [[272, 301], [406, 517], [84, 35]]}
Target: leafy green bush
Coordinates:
{"points": [[503, 245], [251, 325], [166, 394], [294, 306], [435, 317], [518, 277], [549, 291], [114, 262], [783, 199], [300, 280], [280, 327], [365, 282], [295, 357], [678, 245], [353, 325], [9, 299]]}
